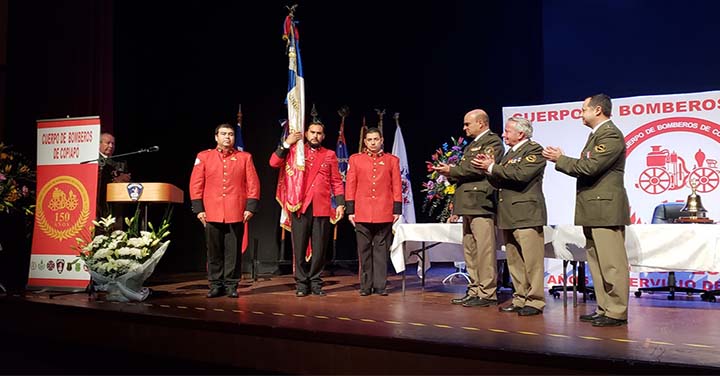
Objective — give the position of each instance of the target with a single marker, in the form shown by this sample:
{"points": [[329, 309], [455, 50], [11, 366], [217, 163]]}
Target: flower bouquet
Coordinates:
{"points": [[438, 190], [16, 182], [120, 261]]}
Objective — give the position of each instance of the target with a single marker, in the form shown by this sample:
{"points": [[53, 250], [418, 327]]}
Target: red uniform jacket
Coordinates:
{"points": [[224, 185], [374, 187], [321, 177]]}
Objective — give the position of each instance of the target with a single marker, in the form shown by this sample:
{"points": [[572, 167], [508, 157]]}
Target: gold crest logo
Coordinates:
{"points": [[600, 148], [531, 158], [57, 211], [490, 151]]}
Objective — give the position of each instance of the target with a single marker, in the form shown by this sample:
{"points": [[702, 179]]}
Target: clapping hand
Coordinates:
{"points": [[552, 153]]}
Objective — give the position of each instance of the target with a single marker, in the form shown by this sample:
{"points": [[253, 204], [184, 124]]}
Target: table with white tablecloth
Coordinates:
{"points": [[650, 247]]}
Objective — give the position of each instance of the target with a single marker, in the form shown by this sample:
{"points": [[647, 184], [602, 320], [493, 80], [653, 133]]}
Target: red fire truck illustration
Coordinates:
{"points": [[666, 170]]}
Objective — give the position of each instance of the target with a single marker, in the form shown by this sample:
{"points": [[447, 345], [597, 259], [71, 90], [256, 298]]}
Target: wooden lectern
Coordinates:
{"points": [[144, 193]]}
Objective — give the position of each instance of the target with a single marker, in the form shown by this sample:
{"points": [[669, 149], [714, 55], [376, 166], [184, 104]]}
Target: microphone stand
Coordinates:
{"points": [[101, 160]]}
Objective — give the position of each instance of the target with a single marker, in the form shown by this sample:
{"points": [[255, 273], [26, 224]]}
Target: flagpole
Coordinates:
{"points": [[363, 128], [344, 111], [381, 114]]}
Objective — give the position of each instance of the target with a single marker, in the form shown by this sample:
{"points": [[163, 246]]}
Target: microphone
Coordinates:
{"points": [[150, 149]]}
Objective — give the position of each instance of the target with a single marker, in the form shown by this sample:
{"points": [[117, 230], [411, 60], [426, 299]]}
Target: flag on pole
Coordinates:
{"points": [[280, 191], [408, 206], [342, 155], [398, 150], [290, 182]]}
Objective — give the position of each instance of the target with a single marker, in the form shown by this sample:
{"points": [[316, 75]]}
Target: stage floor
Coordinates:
{"points": [[418, 332]]}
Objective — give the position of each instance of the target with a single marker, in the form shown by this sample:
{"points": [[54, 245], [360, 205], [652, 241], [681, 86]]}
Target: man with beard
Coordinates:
{"points": [[311, 222]]}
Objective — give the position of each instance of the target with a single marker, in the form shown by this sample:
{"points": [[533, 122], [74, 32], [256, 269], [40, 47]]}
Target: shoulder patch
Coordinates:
{"points": [[197, 161], [531, 158], [600, 148]]}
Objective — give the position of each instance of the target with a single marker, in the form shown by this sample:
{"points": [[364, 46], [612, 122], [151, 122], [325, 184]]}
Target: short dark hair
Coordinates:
{"points": [[374, 130], [603, 101], [223, 125], [317, 122]]}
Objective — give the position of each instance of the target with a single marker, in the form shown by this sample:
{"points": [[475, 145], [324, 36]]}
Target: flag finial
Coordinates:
{"points": [[381, 114], [314, 114], [291, 10]]}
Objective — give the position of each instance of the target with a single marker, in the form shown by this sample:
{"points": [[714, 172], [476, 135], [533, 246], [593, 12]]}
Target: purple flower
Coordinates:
{"points": [[2, 177], [25, 191]]}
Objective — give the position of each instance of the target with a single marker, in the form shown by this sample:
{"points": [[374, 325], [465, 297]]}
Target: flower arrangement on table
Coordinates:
{"points": [[438, 190], [120, 261], [17, 182]]}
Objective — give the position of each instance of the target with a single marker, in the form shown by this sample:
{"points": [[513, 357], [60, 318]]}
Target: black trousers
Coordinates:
{"points": [[373, 244], [224, 262], [316, 230]]}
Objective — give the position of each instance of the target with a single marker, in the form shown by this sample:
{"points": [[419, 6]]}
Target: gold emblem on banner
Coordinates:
{"points": [[600, 148], [61, 197]]}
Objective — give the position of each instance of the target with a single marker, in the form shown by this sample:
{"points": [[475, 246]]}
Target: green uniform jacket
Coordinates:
{"points": [[519, 178], [601, 200], [474, 195]]}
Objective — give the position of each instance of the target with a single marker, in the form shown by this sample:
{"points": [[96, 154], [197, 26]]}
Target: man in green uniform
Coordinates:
{"points": [[601, 207], [475, 202], [521, 213]]}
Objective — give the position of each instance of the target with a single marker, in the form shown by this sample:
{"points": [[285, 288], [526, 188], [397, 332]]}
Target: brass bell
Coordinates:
{"points": [[693, 206]]}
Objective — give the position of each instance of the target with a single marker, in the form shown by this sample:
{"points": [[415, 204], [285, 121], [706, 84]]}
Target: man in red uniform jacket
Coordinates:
{"points": [[374, 203], [224, 190], [312, 220]]}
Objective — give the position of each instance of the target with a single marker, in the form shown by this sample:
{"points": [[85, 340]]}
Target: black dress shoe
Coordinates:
{"points": [[233, 294], [479, 302], [510, 309], [364, 292], [318, 292], [529, 311], [463, 299], [301, 293], [382, 292], [215, 292], [608, 321], [590, 317]]}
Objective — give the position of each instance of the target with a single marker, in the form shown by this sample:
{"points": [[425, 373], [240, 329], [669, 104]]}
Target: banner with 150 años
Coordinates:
{"points": [[66, 200]]}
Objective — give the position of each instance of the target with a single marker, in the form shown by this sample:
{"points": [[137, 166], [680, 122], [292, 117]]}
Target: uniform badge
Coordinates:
{"points": [[233, 159], [489, 150], [600, 148], [134, 191], [531, 158], [381, 163], [476, 149], [197, 161]]}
